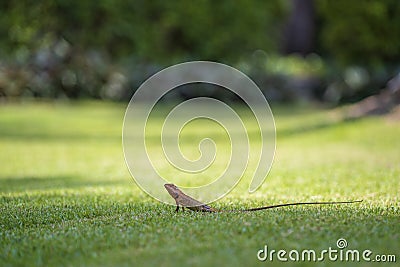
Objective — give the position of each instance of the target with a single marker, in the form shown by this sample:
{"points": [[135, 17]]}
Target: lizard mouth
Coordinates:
{"points": [[169, 186]]}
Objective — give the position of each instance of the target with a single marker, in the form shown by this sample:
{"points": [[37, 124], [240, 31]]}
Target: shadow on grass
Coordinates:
{"points": [[23, 184], [17, 134], [315, 127]]}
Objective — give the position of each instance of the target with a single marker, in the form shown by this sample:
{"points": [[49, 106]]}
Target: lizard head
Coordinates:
{"points": [[172, 190]]}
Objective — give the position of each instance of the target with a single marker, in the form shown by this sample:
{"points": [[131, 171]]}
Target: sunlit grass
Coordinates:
{"points": [[66, 196]]}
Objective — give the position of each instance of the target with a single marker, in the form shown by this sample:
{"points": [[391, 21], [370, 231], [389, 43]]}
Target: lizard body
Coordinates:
{"points": [[184, 201]]}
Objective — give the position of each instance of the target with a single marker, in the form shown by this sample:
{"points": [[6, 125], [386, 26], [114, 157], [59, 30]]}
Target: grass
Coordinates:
{"points": [[66, 197]]}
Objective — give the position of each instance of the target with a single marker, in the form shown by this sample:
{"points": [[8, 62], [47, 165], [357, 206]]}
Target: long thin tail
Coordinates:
{"points": [[300, 203]]}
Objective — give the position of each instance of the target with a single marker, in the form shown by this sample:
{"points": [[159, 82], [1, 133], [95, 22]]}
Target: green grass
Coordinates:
{"points": [[66, 196]]}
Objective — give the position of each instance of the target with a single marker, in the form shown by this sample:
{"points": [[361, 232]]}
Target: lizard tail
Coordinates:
{"points": [[299, 203]]}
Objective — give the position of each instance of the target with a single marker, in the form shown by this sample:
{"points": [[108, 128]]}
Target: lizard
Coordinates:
{"points": [[184, 201]]}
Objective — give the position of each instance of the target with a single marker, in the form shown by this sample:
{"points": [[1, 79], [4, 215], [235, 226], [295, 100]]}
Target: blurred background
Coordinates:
{"points": [[328, 51]]}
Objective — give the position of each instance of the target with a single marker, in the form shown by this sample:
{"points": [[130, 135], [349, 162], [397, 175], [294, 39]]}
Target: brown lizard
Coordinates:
{"points": [[184, 201]]}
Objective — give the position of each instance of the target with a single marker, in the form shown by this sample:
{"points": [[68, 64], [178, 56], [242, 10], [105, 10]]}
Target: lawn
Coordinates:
{"points": [[67, 198]]}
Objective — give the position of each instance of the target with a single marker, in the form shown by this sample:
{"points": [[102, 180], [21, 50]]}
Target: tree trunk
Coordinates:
{"points": [[300, 29]]}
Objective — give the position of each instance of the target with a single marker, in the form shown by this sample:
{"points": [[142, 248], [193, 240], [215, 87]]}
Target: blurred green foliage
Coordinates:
{"points": [[160, 31], [366, 33], [106, 49]]}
